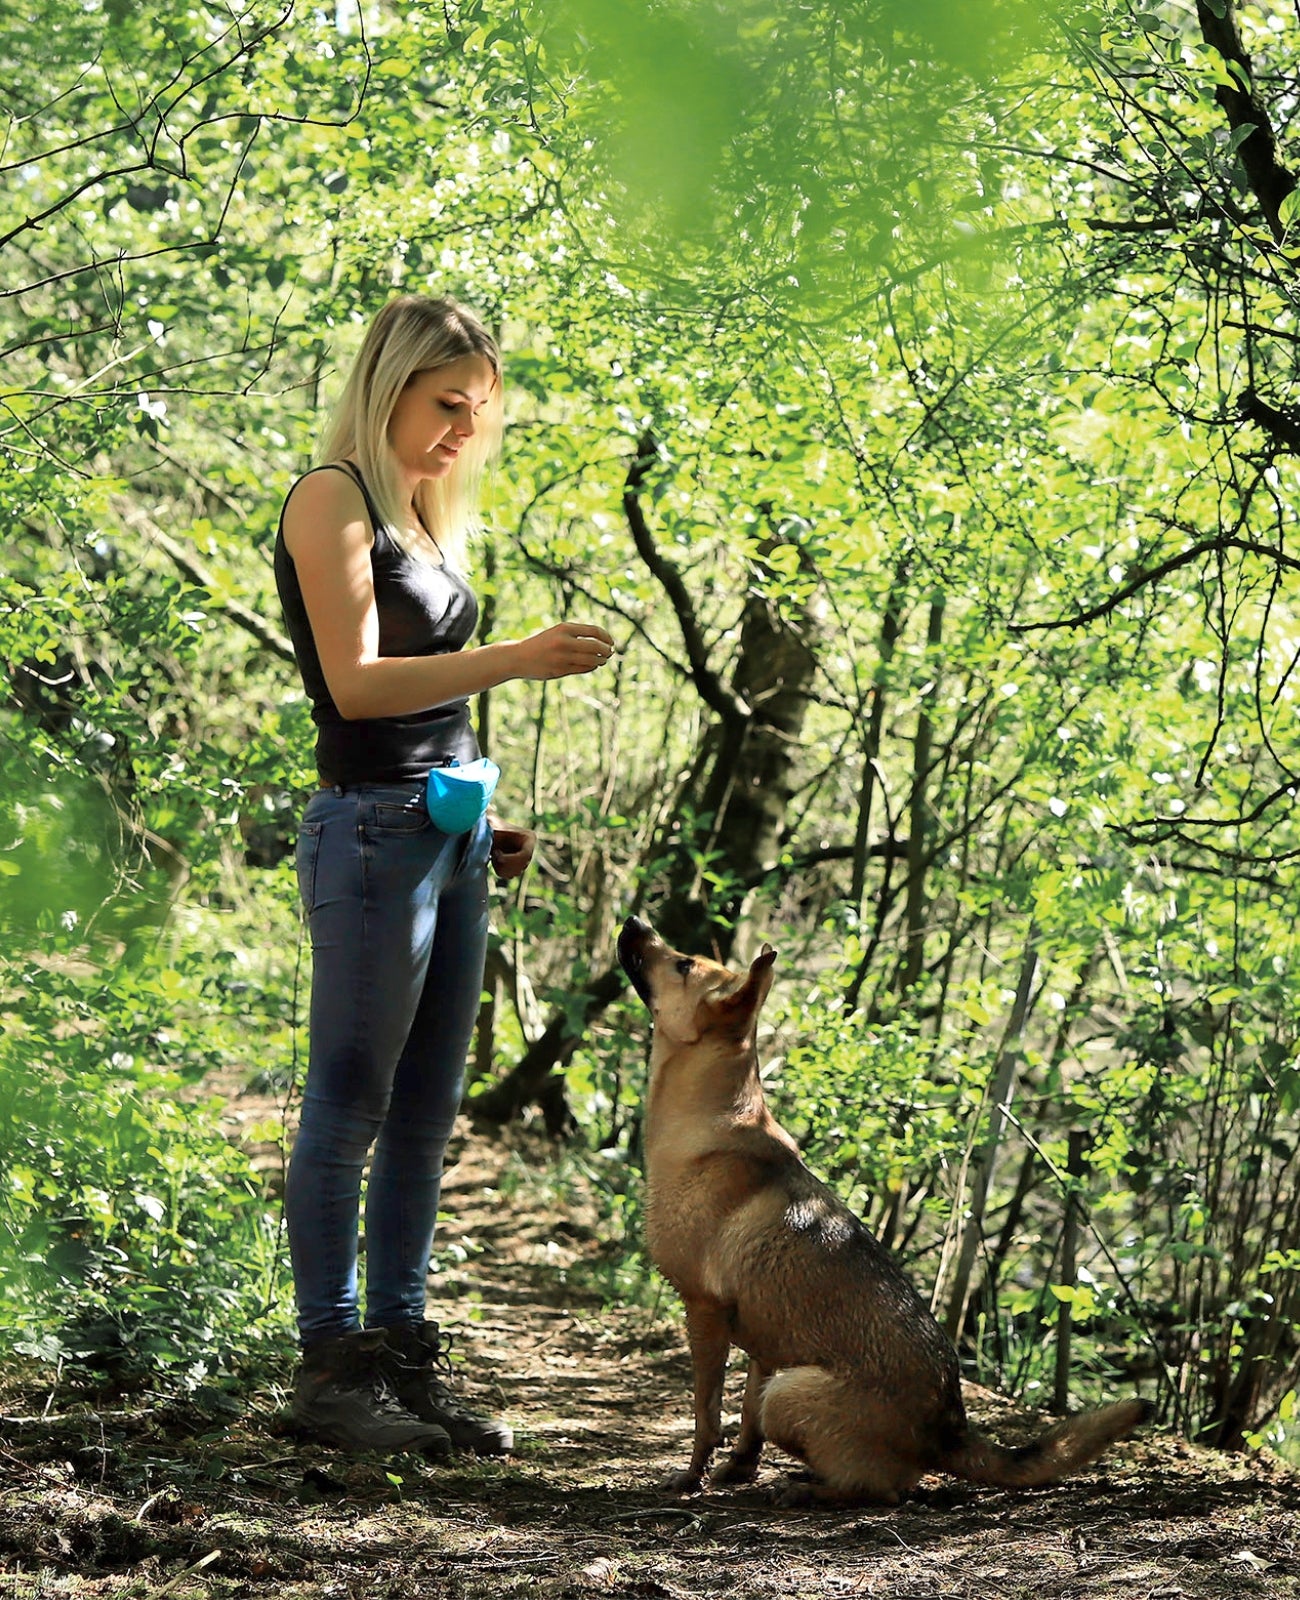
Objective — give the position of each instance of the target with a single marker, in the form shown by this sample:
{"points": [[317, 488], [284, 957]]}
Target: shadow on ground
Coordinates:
{"points": [[129, 1499]]}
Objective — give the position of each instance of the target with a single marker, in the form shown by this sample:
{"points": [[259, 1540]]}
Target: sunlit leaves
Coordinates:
{"points": [[806, 150]]}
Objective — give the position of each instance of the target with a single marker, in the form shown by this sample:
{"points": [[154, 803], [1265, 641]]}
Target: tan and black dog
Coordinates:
{"points": [[848, 1370]]}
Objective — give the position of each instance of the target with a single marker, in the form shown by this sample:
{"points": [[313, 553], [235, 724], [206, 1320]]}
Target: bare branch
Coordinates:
{"points": [[1217, 543], [1175, 825], [729, 705]]}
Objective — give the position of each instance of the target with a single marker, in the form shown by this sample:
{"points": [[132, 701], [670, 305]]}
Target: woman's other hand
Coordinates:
{"points": [[512, 849]]}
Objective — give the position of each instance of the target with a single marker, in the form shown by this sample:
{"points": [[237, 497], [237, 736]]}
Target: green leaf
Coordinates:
{"points": [[1239, 135], [1288, 1087]]}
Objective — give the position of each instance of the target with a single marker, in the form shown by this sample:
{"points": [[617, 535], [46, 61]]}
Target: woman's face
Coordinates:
{"points": [[437, 414]]}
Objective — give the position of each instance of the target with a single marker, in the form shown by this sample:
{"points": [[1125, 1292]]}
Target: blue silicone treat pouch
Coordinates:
{"points": [[457, 796]]}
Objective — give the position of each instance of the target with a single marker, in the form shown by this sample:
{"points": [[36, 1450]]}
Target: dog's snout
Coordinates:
{"points": [[631, 952], [631, 937]]}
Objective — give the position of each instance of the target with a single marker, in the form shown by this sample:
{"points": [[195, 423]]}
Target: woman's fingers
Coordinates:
{"points": [[590, 637], [580, 647], [512, 850], [589, 630]]}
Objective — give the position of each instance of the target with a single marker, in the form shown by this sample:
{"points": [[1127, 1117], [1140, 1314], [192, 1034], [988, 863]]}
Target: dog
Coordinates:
{"points": [[848, 1370]]}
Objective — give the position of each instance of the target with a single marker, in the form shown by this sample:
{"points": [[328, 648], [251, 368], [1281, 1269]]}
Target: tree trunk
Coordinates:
{"points": [[1001, 1095], [747, 777], [730, 816], [918, 827], [890, 627]]}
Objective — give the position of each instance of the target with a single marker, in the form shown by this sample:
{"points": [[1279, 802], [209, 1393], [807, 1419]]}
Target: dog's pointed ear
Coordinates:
{"points": [[749, 997]]}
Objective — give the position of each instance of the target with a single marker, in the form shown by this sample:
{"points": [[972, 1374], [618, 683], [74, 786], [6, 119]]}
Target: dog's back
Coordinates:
{"points": [[866, 1386], [811, 1285]]}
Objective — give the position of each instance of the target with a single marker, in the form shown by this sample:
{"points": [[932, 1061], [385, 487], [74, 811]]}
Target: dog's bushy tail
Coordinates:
{"points": [[1063, 1449]]}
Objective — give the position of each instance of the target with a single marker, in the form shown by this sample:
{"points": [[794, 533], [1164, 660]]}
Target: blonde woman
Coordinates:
{"points": [[369, 563]]}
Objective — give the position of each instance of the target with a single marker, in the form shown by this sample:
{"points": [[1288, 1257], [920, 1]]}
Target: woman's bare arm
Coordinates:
{"points": [[327, 533]]}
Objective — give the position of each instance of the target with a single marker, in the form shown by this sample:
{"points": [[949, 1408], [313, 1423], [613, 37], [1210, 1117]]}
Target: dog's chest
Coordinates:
{"points": [[691, 1227], [676, 1226]]}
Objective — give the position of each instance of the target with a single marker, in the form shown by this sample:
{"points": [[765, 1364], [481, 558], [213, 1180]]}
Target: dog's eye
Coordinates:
{"points": [[685, 965]]}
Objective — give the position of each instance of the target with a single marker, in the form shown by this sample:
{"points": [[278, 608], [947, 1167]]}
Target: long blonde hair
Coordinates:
{"points": [[412, 334]]}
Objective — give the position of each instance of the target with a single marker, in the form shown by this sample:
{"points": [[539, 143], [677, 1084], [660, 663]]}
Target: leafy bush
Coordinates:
{"points": [[139, 1238]]}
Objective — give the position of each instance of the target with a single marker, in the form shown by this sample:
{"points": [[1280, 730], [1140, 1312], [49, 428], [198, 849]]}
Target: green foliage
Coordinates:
{"points": [[962, 345], [877, 1107], [57, 860], [139, 1242], [760, 126]]}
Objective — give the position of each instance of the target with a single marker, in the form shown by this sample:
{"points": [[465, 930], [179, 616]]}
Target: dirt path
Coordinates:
{"points": [[145, 1503]]}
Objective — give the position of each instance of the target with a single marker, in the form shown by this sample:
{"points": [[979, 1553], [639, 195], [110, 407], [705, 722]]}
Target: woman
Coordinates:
{"points": [[368, 564]]}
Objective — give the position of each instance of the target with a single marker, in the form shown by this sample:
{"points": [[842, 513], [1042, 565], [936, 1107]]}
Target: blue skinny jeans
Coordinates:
{"points": [[397, 912]]}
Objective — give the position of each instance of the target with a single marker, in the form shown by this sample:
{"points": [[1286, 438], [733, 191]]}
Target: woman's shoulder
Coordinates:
{"points": [[333, 480], [329, 496]]}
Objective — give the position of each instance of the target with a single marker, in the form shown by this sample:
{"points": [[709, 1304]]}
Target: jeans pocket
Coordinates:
{"points": [[309, 839], [397, 817]]}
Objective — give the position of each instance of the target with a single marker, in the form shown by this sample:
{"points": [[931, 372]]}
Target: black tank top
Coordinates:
{"points": [[424, 610]]}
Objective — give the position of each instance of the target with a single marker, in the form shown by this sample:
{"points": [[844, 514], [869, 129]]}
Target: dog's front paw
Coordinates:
{"points": [[735, 1469], [684, 1481]]}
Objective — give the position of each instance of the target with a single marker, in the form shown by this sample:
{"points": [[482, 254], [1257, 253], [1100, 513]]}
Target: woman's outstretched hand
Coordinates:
{"points": [[565, 649]]}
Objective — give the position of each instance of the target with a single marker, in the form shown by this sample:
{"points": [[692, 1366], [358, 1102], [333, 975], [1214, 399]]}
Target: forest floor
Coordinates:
{"points": [[104, 1497]]}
